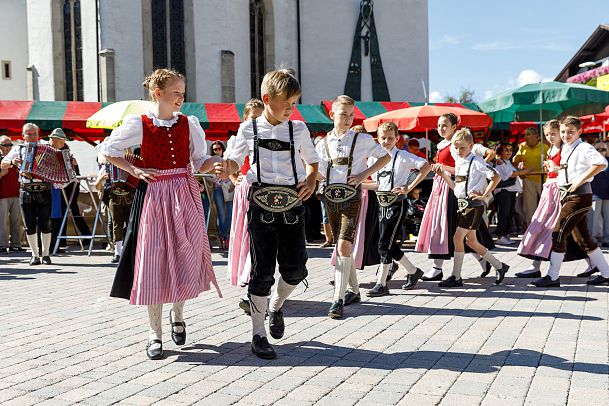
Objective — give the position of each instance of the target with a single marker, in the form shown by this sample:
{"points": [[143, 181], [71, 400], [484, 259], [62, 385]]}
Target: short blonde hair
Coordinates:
{"points": [[551, 125], [389, 126], [463, 134], [342, 100], [280, 82], [30, 126], [159, 79]]}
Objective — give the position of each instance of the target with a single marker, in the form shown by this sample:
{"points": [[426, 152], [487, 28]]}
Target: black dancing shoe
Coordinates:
{"points": [[115, 259], [46, 260], [262, 349], [536, 274], [501, 273], [244, 305], [412, 279], [486, 271], [276, 324], [154, 353], [599, 280], [451, 282], [436, 278], [178, 338], [378, 290], [336, 310], [351, 298], [35, 261], [546, 282], [588, 273]]}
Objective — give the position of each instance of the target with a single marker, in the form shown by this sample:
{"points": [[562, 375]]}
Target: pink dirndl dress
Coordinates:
{"points": [[239, 263]]}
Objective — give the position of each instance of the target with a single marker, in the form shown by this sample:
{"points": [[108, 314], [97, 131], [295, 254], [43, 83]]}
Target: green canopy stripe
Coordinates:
{"points": [[197, 110], [47, 115], [371, 109]]}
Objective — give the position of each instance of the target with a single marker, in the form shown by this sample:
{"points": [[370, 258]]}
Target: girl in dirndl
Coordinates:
{"points": [[536, 241], [166, 256], [439, 221], [239, 262]]}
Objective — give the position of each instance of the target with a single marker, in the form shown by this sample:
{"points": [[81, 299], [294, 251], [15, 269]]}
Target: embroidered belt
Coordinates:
{"points": [[36, 187], [584, 189], [463, 204], [339, 192], [388, 198], [274, 198]]}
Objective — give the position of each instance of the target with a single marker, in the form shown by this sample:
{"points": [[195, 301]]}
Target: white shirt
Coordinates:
{"points": [[505, 171], [477, 149], [581, 156], [340, 147], [130, 133], [405, 164], [479, 173], [276, 166]]}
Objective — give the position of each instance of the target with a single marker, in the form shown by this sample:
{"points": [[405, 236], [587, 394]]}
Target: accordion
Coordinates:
{"points": [[121, 179], [49, 164]]}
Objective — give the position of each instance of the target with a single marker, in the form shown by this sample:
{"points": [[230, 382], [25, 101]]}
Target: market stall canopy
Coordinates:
{"points": [[422, 118], [545, 101]]}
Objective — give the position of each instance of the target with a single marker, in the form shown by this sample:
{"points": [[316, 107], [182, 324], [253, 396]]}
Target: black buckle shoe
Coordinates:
{"points": [[599, 280], [436, 278], [262, 349], [154, 353], [351, 298], [501, 273], [115, 259], [244, 305], [276, 324], [546, 282], [587, 274], [487, 271], [35, 261], [336, 310], [46, 260], [378, 290], [451, 282], [178, 338], [536, 274], [412, 280]]}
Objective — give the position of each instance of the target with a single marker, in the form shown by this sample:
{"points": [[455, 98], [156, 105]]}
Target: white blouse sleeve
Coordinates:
{"points": [[123, 137], [198, 145]]}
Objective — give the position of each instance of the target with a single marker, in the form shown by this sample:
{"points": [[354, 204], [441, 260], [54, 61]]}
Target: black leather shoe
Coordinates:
{"points": [[501, 273], [155, 353], [546, 282], [244, 304], [35, 261], [378, 290], [262, 349], [436, 278], [536, 274], [412, 280], [46, 260], [336, 310], [487, 271], [588, 274], [451, 282], [178, 338], [599, 280], [276, 324], [351, 298], [115, 259]]}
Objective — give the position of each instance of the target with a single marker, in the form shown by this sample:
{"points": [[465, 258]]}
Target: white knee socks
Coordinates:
{"points": [[282, 291]]}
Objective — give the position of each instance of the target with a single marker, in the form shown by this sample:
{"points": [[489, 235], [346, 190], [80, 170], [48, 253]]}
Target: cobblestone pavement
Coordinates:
{"points": [[64, 341]]}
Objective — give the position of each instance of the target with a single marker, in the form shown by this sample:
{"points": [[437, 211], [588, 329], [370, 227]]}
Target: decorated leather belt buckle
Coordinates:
{"points": [[276, 199], [339, 192], [387, 198]]}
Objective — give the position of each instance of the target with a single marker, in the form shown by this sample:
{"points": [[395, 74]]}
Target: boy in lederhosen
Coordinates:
{"points": [[344, 165], [579, 163], [392, 187], [471, 188], [283, 173]]}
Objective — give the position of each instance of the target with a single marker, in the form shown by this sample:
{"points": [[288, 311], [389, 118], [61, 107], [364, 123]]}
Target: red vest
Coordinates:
{"points": [[166, 147]]}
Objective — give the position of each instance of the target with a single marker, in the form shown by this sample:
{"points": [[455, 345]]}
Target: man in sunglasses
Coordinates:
{"points": [[9, 203]]}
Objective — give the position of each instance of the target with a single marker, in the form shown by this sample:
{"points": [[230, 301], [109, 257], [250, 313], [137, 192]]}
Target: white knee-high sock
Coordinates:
{"points": [[46, 244], [495, 263], [282, 291], [32, 240], [598, 259], [178, 315], [259, 305], [458, 264], [352, 282], [382, 276], [341, 275], [407, 265], [556, 259], [154, 316]]}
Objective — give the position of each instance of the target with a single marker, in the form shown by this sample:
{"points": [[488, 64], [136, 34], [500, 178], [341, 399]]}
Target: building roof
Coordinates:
{"points": [[596, 47]]}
